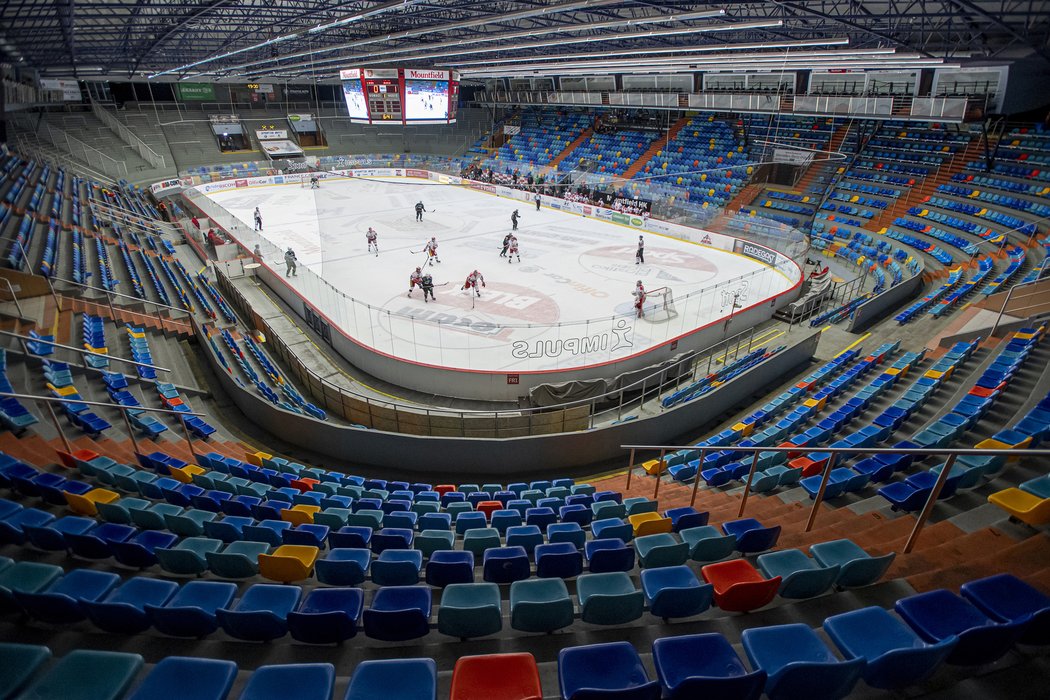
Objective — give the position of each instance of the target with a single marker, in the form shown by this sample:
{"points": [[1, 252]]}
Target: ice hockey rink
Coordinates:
{"points": [[567, 304]]}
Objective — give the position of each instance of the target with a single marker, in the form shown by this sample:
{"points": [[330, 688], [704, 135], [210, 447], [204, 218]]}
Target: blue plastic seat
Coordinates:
{"points": [[397, 567], [261, 614], [751, 535], [327, 616], [567, 532], [394, 679], [608, 599], [559, 560], [675, 591], [540, 605], [504, 519], [612, 670], [612, 528], [470, 610], [506, 565], [96, 543], [704, 666], [301, 681], [343, 566], [430, 541], [685, 517], [350, 537], [608, 554], [447, 567], [391, 538], [895, 656], [940, 614], [59, 603], [526, 536], [87, 675], [51, 536], [188, 678], [798, 664], [191, 612], [307, 534], [398, 613], [1006, 598], [801, 577], [856, 567], [123, 610]]}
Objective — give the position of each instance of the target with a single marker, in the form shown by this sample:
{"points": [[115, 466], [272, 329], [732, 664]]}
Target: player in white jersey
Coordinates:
{"points": [[639, 297], [472, 281], [373, 240], [512, 248], [415, 280], [431, 248]]}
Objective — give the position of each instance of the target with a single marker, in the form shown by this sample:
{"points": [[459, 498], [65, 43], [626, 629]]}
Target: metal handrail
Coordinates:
{"points": [[83, 351], [50, 400], [952, 453]]}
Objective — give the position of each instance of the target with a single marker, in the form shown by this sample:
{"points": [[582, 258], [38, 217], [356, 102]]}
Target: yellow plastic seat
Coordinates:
{"points": [[186, 474], [63, 391], [1026, 507], [86, 504], [815, 403], [993, 444], [300, 514], [934, 374], [653, 466], [289, 562], [256, 458], [649, 524], [745, 429]]}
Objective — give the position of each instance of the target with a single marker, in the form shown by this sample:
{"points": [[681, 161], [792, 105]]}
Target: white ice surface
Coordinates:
{"points": [[566, 304]]}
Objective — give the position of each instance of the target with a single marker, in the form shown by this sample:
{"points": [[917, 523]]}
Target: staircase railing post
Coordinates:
{"points": [[696, 479], [935, 493], [823, 487], [659, 474], [186, 432], [630, 468], [58, 427], [131, 433], [747, 486]]}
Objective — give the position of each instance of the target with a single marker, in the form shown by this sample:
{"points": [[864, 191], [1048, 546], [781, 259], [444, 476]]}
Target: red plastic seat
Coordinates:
{"points": [[70, 459], [304, 485], [496, 677], [739, 587], [488, 507], [444, 488]]}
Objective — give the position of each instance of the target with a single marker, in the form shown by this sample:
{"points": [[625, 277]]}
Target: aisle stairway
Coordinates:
{"points": [[581, 139], [654, 148]]}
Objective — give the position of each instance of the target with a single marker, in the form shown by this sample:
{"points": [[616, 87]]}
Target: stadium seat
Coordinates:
{"points": [[1006, 598], [738, 586], [188, 678], [558, 560], [506, 565], [327, 616], [261, 614], [447, 567], [394, 679], [675, 591], [123, 610], [895, 656], [940, 614], [608, 599], [59, 603], [540, 605], [301, 681], [801, 577], [191, 612], [87, 675], [798, 664], [608, 554], [661, 550], [707, 544], [856, 567], [611, 670], [470, 610], [496, 677], [397, 567], [18, 664], [704, 665], [398, 613]]}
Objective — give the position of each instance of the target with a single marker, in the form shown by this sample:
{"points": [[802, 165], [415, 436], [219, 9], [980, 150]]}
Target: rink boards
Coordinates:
{"points": [[563, 313]]}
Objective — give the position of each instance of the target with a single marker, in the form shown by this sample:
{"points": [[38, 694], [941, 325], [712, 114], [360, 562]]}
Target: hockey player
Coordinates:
{"points": [[472, 282], [639, 257], [513, 249], [373, 240], [639, 298], [315, 184], [419, 210], [414, 280], [537, 198], [289, 262], [432, 251], [506, 244], [427, 283], [514, 220], [258, 220]]}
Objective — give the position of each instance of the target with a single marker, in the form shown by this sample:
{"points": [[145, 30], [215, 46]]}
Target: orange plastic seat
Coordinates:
{"points": [[739, 586], [304, 484], [488, 507], [496, 677], [649, 524]]}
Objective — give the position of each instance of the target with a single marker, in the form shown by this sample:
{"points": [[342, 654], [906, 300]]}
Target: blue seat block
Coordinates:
{"points": [[394, 679], [675, 591], [191, 612], [447, 567], [611, 670], [704, 666], [188, 678], [1006, 598], [299, 681], [940, 614], [798, 664], [398, 613], [261, 614], [59, 604], [327, 616]]}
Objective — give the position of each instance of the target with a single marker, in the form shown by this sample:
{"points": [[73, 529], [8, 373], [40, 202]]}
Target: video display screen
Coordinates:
{"points": [[426, 100], [353, 94]]}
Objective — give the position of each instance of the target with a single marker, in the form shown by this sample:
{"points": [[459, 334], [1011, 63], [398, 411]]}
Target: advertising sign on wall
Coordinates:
{"points": [[195, 91]]}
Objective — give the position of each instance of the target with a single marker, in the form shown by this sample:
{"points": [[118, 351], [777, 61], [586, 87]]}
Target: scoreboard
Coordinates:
{"points": [[400, 95]]}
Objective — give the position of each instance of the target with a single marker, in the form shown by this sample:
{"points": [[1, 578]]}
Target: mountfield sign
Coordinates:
{"points": [[413, 74], [755, 251], [195, 91]]}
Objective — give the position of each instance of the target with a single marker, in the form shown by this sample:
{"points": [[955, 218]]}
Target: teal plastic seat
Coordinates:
{"points": [[119, 511], [856, 567], [470, 610], [394, 679], [661, 549], [86, 675], [333, 517], [239, 560], [188, 678], [191, 613], [480, 539], [299, 681], [152, 517], [612, 528], [540, 605], [366, 517], [26, 577], [801, 577], [190, 522], [188, 556], [604, 510], [639, 504], [59, 604], [430, 541], [18, 663], [397, 567], [566, 532], [706, 543], [675, 591], [609, 598]]}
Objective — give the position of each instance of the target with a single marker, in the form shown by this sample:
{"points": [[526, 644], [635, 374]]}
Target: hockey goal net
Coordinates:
{"points": [[659, 305], [306, 177]]}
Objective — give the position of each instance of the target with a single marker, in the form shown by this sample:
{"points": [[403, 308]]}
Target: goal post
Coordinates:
{"points": [[659, 305]]}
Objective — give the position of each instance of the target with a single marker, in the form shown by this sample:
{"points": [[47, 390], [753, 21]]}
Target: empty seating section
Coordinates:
{"points": [[542, 137]]}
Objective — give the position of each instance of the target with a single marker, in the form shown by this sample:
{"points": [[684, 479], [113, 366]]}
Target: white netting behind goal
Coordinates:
{"points": [[659, 305]]}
